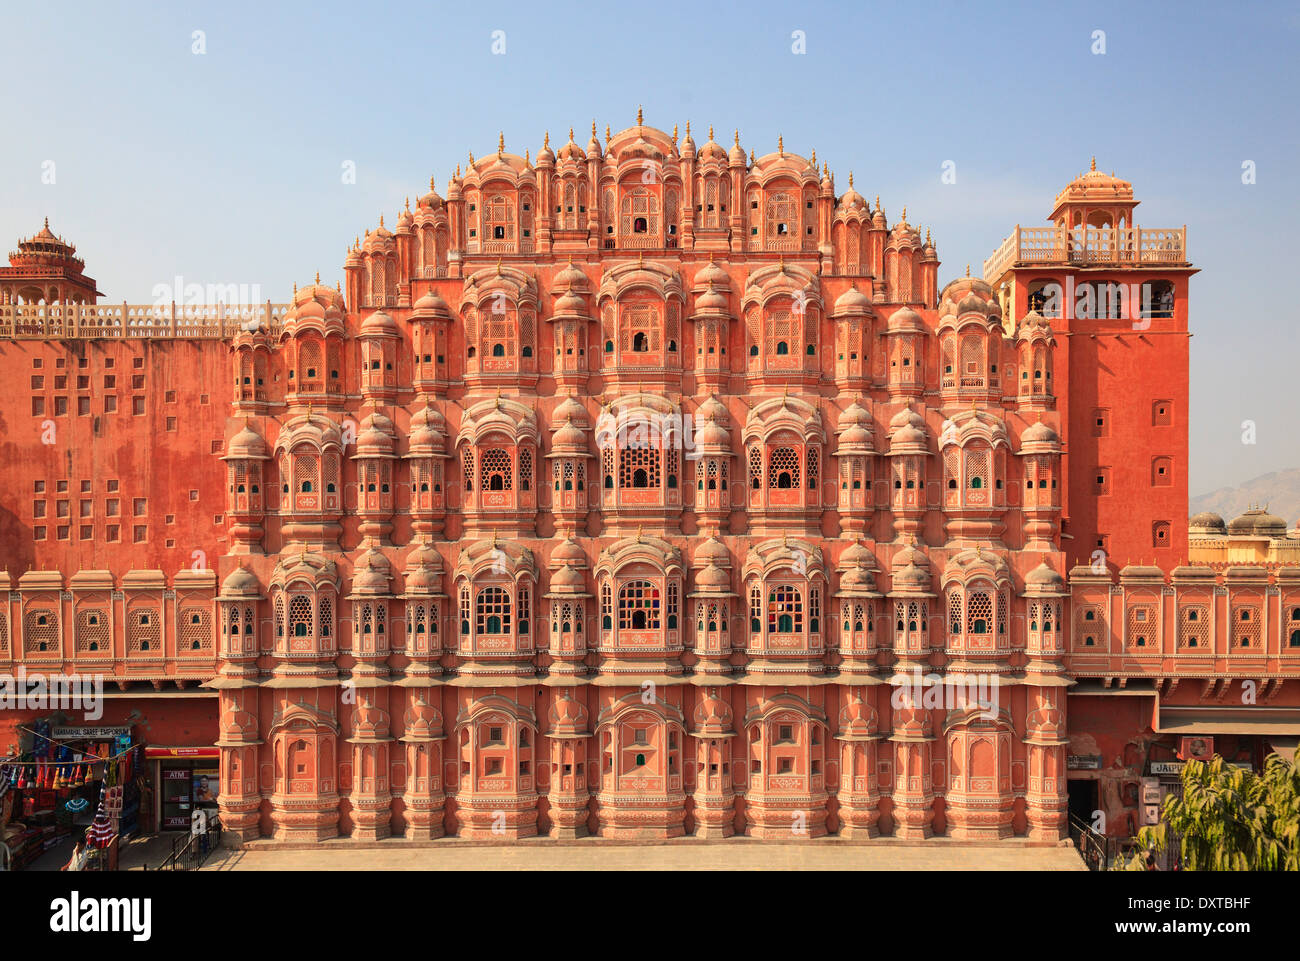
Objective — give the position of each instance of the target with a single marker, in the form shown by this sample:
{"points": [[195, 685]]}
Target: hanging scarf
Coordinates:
{"points": [[101, 831]]}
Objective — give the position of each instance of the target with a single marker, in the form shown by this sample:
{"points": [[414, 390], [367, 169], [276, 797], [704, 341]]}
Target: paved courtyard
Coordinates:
{"points": [[733, 855]]}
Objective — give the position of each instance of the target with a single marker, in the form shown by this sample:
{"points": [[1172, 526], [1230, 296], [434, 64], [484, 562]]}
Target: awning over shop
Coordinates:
{"points": [[1228, 720], [153, 752]]}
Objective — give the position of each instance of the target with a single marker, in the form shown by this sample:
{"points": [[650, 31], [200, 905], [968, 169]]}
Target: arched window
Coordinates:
{"points": [[638, 606], [496, 470], [784, 610], [492, 612], [783, 468], [300, 616], [979, 613]]}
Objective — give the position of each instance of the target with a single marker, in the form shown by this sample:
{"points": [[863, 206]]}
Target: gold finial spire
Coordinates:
{"points": [[408, 204], [711, 131], [751, 156], [877, 201], [968, 270], [826, 169], [780, 145], [295, 288], [688, 128], [639, 120], [501, 143], [458, 170], [927, 235], [593, 131], [608, 135], [674, 135], [498, 266], [381, 220], [47, 223], [318, 278], [850, 178], [431, 186], [546, 141], [904, 215], [737, 137], [471, 158], [1093, 168]]}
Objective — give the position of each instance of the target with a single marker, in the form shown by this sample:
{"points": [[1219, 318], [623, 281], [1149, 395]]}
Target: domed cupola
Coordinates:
{"points": [[1206, 524]]}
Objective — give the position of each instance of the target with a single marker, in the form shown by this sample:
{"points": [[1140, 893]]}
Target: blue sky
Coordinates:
{"points": [[225, 167]]}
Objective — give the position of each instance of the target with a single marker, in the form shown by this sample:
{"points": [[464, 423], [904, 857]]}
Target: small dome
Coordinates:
{"points": [[1206, 522], [855, 436], [858, 578], [852, 301], [853, 415], [972, 304], [858, 718], [569, 303], [248, 443], [431, 305], [379, 323], [712, 150], [424, 569], [712, 551], [1258, 522], [711, 301], [1039, 433], [905, 320], [568, 579], [710, 434], [569, 409], [857, 554], [853, 199], [911, 579], [430, 200], [1044, 578], [569, 552], [372, 574], [737, 153], [906, 418], [568, 715], [241, 582], [570, 276], [713, 274], [570, 437], [714, 578], [713, 715], [712, 409], [571, 151]]}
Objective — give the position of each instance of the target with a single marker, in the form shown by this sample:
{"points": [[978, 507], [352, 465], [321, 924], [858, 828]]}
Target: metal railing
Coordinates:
{"points": [[189, 853], [1100, 852]]}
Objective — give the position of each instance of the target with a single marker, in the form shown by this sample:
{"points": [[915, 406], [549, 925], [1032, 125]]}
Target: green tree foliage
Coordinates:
{"points": [[1230, 819]]}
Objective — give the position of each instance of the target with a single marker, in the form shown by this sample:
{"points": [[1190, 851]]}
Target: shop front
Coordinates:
{"points": [[59, 782], [186, 781]]}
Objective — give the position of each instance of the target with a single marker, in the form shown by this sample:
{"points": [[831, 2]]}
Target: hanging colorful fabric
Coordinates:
{"points": [[77, 804]]}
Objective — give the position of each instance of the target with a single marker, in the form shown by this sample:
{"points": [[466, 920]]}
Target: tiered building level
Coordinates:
{"points": [[640, 489]]}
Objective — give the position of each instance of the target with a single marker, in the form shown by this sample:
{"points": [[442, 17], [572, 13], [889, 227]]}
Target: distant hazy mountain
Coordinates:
{"points": [[1279, 491]]}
